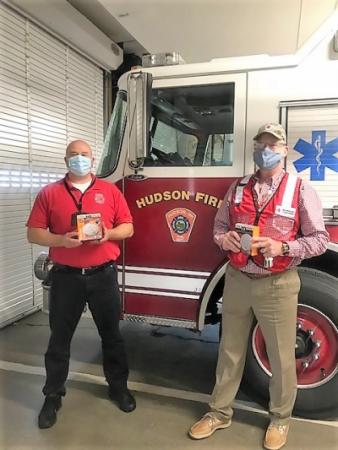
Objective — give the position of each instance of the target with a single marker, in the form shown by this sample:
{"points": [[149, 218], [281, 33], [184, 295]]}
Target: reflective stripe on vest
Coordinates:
{"points": [[285, 209], [240, 187]]}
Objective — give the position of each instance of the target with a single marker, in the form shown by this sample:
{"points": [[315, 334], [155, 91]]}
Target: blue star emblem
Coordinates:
{"points": [[317, 155]]}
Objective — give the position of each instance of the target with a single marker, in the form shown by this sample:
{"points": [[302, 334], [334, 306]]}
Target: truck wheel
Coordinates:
{"points": [[316, 349]]}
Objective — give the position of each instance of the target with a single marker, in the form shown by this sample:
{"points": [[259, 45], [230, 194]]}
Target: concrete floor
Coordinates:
{"points": [[171, 374]]}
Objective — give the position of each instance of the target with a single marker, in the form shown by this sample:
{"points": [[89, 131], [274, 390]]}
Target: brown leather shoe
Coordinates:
{"points": [[276, 436], [206, 426]]}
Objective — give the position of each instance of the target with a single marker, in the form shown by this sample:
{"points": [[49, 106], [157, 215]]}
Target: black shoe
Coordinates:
{"points": [[47, 416], [126, 402]]}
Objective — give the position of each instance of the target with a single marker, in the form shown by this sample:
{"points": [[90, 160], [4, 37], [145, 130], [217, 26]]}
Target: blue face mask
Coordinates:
{"points": [[267, 159], [80, 165]]}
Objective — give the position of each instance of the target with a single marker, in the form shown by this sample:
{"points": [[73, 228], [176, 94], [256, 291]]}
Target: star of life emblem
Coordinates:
{"points": [[317, 155]]}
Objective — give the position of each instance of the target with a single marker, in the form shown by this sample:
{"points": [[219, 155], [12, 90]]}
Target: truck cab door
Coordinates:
{"points": [[197, 150]]}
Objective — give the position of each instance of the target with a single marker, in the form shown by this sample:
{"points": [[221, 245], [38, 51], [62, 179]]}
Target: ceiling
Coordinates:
{"points": [[201, 30]]}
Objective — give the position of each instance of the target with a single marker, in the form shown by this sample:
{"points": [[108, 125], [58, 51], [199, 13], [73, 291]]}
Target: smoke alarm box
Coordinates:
{"points": [[89, 227]]}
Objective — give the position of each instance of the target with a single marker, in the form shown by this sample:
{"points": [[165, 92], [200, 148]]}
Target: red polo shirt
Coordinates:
{"points": [[53, 209]]}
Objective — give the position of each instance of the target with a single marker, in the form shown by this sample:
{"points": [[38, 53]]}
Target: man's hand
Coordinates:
{"points": [[118, 233], [268, 247], [105, 236], [70, 240], [231, 242]]}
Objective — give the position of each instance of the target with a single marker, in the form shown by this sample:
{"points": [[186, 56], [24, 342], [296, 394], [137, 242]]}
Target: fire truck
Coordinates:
{"points": [[178, 137]]}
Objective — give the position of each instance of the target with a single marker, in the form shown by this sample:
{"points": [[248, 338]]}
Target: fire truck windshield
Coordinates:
{"points": [[192, 126], [114, 136]]}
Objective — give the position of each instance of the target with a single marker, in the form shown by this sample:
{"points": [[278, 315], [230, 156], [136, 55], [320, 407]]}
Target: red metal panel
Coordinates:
{"points": [[152, 244], [333, 232]]}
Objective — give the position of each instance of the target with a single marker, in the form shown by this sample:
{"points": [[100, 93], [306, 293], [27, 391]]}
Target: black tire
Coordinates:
{"points": [[320, 291]]}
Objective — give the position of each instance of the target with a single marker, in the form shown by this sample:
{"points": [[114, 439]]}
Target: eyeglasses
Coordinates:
{"points": [[262, 145]]}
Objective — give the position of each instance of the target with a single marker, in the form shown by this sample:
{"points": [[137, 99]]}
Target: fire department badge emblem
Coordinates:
{"points": [[180, 222], [99, 198]]}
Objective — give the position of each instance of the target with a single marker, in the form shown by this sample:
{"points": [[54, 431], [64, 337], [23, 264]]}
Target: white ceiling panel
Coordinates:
{"points": [[201, 30]]}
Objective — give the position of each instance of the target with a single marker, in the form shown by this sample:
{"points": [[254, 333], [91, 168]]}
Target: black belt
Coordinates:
{"points": [[257, 276], [82, 270]]}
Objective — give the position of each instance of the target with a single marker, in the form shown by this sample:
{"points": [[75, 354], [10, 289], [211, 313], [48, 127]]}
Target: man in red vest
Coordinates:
{"points": [[84, 271], [268, 223]]}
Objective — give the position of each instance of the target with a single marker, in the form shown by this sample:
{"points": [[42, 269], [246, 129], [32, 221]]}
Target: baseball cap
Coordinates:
{"points": [[272, 128]]}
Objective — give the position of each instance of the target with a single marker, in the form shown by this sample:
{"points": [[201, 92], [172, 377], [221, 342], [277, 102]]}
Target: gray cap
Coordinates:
{"points": [[272, 128]]}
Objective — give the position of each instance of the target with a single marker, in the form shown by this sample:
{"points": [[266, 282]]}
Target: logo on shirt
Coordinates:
{"points": [[99, 198], [180, 222], [286, 212], [317, 156]]}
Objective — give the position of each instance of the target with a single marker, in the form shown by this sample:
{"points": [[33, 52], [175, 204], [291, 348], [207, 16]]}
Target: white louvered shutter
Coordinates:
{"points": [[49, 96], [315, 124]]}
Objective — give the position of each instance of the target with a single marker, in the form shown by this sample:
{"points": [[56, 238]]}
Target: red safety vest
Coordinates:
{"points": [[278, 219]]}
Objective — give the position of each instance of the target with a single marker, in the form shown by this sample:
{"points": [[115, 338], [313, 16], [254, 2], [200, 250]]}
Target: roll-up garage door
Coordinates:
{"points": [[49, 96]]}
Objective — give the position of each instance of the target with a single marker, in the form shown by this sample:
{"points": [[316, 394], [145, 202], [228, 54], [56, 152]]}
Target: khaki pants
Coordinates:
{"points": [[273, 300]]}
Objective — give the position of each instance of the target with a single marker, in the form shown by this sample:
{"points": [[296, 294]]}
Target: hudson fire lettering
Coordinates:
{"points": [[165, 196]]}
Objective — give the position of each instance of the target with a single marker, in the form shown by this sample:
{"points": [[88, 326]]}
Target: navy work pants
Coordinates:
{"points": [[69, 293]]}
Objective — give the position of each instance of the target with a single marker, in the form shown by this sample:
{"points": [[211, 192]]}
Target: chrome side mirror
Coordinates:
{"points": [[139, 114]]}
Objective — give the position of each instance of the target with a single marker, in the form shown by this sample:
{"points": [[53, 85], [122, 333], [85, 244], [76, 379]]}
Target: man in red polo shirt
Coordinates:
{"points": [[83, 271]]}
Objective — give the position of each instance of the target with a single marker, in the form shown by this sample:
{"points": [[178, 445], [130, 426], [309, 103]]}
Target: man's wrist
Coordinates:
{"points": [[57, 240], [109, 234], [285, 248]]}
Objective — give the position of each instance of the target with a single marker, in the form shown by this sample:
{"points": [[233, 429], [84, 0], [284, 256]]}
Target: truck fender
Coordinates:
{"points": [[207, 292]]}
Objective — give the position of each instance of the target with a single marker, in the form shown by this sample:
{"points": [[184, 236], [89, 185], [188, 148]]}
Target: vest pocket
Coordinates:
{"points": [[283, 225]]}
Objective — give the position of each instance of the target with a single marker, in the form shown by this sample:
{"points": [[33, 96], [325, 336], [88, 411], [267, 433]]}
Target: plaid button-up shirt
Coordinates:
{"points": [[314, 237]]}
